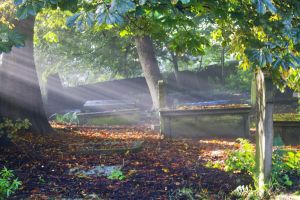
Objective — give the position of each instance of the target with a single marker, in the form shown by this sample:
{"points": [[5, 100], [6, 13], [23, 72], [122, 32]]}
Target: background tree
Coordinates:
{"points": [[143, 21], [20, 94], [98, 54], [9, 37]]}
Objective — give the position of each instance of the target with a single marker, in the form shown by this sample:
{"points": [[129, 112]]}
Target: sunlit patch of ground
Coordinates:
{"points": [[158, 170], [109, 132]]}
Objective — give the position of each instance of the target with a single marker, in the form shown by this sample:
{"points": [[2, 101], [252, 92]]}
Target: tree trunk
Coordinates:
{"points": [[176, 68], [264, 129], [20, 94], [222, 64], [150, 67], [200, 63]]}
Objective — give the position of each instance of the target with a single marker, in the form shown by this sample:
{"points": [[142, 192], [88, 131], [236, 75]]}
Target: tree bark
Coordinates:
{"points": [[264, 129], [20, 94], [145, 49]]}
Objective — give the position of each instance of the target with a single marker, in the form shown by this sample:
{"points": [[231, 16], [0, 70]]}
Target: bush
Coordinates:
{"points": [[8, 183], [11, 128], [117, 175], [68, 118], [183, 193], [285, 166], [242, 159], [245, 192]]}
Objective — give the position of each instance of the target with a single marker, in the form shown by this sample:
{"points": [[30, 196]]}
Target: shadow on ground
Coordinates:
{"points": [[158, 171]]}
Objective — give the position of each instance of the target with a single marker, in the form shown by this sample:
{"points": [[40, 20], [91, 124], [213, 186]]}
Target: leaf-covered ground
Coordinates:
{"points": [[158, 171]]}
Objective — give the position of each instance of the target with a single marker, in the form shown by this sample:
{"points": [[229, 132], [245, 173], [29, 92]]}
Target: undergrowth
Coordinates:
{"points": [[117, 175], [285, 169], [8, 183], [67, 118], [10, 128]]}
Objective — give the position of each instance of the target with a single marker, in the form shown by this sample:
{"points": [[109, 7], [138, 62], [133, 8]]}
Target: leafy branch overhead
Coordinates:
{"points": [[10, 38], [261, 33]]}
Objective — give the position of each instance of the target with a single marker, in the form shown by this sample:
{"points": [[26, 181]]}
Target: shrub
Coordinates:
{"points": [[242, 159], [245, 192], [285, 166], [117, 175], [183, 193], [68, 118], [11, 128], [8, 183]]}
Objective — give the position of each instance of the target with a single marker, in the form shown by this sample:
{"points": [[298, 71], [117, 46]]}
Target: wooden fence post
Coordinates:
{"points": [[162, 103], [264, 129], [161, 94]]}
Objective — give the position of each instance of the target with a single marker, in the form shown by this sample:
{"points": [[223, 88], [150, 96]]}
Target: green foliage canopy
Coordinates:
{"points": [[95, 55], [8, 36], [262, 33]]}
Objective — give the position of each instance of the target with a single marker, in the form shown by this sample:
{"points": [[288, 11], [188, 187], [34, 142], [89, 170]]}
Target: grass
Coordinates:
{"points": [[287, 117]]}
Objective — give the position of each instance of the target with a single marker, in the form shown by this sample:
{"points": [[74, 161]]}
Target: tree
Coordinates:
{"points": [[82, 58], [149, 64], [139, 20], [20, 95], [265, 36]]}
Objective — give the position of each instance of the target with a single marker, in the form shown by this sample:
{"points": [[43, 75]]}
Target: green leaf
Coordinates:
{"points": [[80, 25], [90, 18], [70, 5], [118, 19], [139, 11], [114, 18], [101, 14], [22, 13], [71, 20], [4, 48], [54, 1], [37, 6], [121, 6], [185, 1], [19, 2], [51, 37], [270, 6], [142, 2], [260, 7], [269, 58], [276, 65], [18, 39], [31, 10]]}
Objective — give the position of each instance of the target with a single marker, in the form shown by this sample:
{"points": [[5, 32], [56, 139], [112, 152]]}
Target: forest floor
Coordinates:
{"points": [[161, 169]]}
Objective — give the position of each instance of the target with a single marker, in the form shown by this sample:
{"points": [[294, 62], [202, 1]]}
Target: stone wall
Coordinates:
{"points": [[193, 87]]}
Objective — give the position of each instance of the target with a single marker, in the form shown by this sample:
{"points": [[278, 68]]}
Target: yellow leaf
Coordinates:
{"points": [[166, 170], [51, 37], [81, 175], [131, 172], [275, 17], [124, 33]]}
